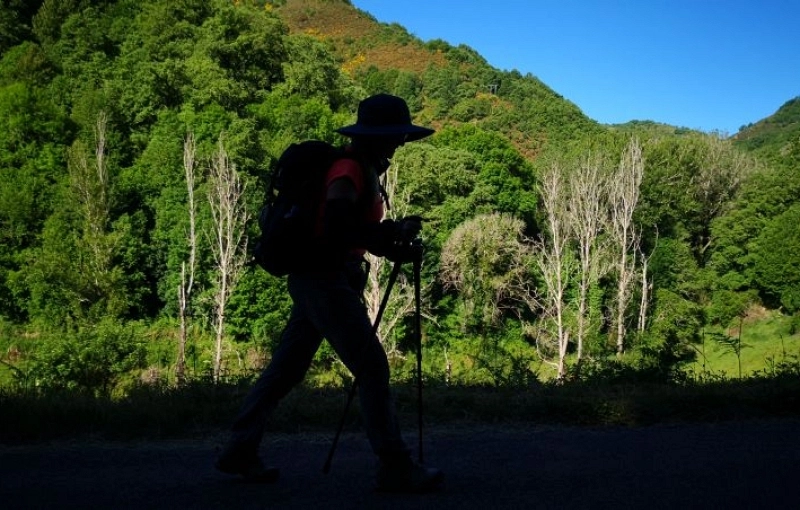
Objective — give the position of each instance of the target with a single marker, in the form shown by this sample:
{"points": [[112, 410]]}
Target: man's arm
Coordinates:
{"points": [[343, 228]]}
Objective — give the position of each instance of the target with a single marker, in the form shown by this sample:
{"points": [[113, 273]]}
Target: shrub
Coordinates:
{"points": [[90, 360]]}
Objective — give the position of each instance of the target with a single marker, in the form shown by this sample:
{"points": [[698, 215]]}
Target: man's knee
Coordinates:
{"points": [[375, 365]]}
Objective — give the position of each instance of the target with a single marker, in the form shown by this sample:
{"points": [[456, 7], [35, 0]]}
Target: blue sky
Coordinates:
{"points": [[713, 65]]}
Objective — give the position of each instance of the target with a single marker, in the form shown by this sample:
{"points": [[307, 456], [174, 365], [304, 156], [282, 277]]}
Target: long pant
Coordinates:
{"points": [[326, 305]]}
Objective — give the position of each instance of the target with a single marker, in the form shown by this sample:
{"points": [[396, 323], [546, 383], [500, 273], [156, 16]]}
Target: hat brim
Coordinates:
{"points": [[412, 132]]}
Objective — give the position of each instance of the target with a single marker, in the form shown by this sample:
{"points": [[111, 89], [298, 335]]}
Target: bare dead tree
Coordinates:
{"points": [[89, 180], [624, 197], [646, 287], [97, 275], [644, 302], [552, 257], [187, 273], [230, 216], [587, 217], [525, 292]]}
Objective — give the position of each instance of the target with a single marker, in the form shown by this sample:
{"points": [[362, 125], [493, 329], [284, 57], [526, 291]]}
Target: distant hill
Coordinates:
{"points": [[358, 38], [650, 127], [459, 86], [771, 136], [525, 109]]}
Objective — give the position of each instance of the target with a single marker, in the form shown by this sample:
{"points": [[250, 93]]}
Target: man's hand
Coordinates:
{"points": [[397, 240], [409, 228], [405, 252], [407, 245]]}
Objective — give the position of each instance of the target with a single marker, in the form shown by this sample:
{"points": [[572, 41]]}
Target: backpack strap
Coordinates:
{"points": [[384, 195]]}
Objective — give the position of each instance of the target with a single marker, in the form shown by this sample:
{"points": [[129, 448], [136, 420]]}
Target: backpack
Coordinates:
{"points": [[288, 218]]}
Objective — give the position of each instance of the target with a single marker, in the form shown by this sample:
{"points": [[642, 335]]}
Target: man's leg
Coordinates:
{"points": [[340, 315], [290, 362], [335, 308]]}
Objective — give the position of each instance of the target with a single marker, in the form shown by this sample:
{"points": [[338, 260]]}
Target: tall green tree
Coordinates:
{"points": [[33, 137], [16, 17], [776, 260]]}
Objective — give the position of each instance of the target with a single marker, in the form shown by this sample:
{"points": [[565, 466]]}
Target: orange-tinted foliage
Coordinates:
{"points": [[357, 37]]}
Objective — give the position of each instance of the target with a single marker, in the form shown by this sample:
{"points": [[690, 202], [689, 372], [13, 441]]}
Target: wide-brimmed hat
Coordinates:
{"points": [[385, 115]]}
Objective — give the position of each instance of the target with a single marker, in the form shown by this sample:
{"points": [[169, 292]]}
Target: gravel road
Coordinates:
{"points": [[732, 465]]}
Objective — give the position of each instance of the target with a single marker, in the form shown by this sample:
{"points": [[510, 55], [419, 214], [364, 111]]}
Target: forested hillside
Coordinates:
{"points": [[552, 242], [774, 136]]}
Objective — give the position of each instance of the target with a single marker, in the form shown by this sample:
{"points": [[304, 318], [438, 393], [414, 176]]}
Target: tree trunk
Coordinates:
{"points": [[624, 198], [645, 301], [229, 215], [90, 183], [587, 206], [552, 260], [187, 280]]}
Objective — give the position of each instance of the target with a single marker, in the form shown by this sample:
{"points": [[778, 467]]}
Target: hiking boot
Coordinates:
{"points": [[248, 466], [408, 476]]}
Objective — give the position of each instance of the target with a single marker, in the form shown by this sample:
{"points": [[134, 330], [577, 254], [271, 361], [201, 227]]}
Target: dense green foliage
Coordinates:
{"points": [[92, 244]]}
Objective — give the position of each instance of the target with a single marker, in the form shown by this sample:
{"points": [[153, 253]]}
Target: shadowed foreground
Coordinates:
{"points": [[725, 465]]}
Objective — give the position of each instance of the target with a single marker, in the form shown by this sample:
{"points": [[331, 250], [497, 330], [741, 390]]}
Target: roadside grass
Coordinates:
{"points": [[764, 343], [713, 391], [203, 408]]}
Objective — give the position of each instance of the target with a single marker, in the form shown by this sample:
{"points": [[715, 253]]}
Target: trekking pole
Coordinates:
{"points": [[418, 333], [392, 278]]}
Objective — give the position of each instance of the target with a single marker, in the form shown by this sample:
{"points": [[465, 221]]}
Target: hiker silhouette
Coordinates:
{"points": [[327, 303]]}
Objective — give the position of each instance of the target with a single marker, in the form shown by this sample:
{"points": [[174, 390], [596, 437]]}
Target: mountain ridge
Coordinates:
{"points": [[466, 88], [772, 134], [363, 41]]}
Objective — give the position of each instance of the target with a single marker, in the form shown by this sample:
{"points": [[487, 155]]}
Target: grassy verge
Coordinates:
{"points": [[614, 395], [761, 342], [203, 408]]}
